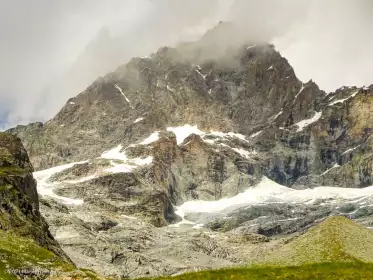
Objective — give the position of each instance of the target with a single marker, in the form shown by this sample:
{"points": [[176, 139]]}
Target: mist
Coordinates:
{"points": [[52, 50]]}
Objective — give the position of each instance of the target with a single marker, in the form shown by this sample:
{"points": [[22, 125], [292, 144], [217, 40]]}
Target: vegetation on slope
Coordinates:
{"points": [[337, 248], [22, 257], [329, 271], [337, 239]]}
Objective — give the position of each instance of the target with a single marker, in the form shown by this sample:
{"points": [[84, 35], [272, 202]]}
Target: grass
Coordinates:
{"points": [[337, 248], [330, 271], [337, 239], [12, 170], [23, 254]]}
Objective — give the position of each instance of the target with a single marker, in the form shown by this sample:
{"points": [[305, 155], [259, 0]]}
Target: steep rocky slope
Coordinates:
{"points": [[28, 250], [19, 198]]}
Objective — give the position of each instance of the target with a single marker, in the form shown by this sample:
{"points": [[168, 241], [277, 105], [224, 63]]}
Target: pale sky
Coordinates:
{"points": [[52, 50]]}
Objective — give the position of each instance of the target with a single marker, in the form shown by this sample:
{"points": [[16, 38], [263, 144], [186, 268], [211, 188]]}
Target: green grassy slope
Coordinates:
{"points": [[337, 239], [22, 256], [331, 271], [337, 248]]}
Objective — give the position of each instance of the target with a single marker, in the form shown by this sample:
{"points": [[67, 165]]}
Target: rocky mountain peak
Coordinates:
{"points": [[206, 134]]}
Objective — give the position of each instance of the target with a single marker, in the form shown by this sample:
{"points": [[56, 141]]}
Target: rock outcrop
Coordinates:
{"points": [[28, 249], [19, 199]]}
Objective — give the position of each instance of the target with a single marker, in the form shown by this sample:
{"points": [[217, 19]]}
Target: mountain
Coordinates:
{"points": [[213, 143]]}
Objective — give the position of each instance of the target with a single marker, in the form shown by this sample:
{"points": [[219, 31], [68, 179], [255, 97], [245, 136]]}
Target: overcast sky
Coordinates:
{"points": [[52, 50]]}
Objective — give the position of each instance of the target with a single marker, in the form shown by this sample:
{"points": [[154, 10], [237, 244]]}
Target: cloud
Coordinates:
{"points": [[52, 50]]}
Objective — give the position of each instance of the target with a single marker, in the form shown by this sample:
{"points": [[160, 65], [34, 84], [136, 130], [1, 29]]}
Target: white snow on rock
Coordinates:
{"points": [[115, 153], [71, 102], [138, 120], [127, 164], [125, 97], [81, 180], [304, 123], [268, 191], [344, 99], [183, 132], [228, 134], [279, 114], [244, 153], [300, 91], [350, 150], [256, 134], [152, 138], [334, 166], [250, 47], [120, 168], [270, 68], [46, 188], [170, 89], [203, 76]]}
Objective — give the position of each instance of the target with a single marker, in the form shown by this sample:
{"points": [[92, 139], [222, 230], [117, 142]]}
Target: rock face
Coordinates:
{"points": [[203, 121], [19, 199], [28, 249]]}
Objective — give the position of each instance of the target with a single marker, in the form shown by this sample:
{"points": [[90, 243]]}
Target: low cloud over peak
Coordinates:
{"points": [[51, 50]]}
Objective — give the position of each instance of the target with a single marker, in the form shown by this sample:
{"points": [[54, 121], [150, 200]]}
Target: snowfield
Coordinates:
{"points": [[46, 188], [267, 192]]}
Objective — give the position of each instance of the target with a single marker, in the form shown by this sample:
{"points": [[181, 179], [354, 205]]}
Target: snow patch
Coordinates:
{"points": [[138, 120], [81, 180], [344, 99], [46, 188], [170, 89], [115, 154], [268, 191], [244, 153], [125, 97], [152, 138], [127, 164], [279, 114], [334, 166], [304, 123], [71, 102], [270, 68], [350, 150], [256, 134], [302, 88], [228, 134], [203, 76], [183, 132]]}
